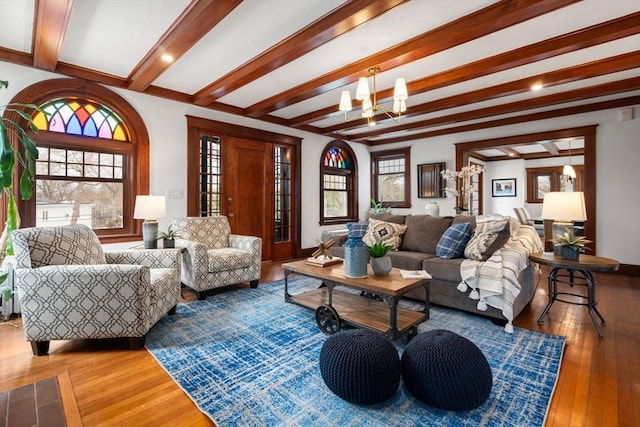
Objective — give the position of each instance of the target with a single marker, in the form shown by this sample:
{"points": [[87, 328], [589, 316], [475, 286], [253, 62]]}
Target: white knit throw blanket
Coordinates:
{"points": [[494, 282]]}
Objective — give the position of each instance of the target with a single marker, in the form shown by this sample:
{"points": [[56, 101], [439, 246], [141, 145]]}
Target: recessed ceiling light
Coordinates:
{"points": [[167, 58], [536, 86]]}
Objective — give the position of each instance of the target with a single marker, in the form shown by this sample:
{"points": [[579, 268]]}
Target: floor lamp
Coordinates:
{"points": [[563, 208], [150, 208]]}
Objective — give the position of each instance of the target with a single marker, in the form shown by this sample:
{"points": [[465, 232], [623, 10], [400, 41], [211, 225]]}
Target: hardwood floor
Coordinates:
{"points": [[599, 382]]}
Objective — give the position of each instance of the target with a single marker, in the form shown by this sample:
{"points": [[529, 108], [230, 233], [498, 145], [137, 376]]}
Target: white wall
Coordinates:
{"points": [[618, 190], [618, 159]]}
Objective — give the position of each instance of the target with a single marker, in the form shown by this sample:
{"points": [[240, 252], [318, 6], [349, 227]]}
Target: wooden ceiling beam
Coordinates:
{"points": [[198, 18], [507, 108], [567, 75], [523, 118], [588, 37], [495, 17], [551, 148], [51, 21], [16, 57], [340, 21], [510, 152]]}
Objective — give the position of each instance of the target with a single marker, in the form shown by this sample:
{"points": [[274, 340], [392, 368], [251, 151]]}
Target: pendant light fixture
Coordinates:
{"points": [[369, 99], [568, 170]]}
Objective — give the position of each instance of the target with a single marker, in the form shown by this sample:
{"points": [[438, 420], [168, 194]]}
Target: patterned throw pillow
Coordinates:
{"points": [[482, 240], [386, 232], [454, 240]]}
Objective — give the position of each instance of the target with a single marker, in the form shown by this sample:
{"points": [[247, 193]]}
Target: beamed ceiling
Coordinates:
{"points": [[469, 64]]}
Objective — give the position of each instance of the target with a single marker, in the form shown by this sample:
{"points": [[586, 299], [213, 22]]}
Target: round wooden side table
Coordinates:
{"points": [[574, 273]]}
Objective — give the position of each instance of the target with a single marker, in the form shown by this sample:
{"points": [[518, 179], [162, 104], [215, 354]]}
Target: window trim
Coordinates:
{"points": [[352, 184], [555, 172], [136, 168], [378, 156]]}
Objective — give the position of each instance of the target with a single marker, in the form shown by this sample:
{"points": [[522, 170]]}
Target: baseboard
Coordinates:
{"points": [[629, 270]]}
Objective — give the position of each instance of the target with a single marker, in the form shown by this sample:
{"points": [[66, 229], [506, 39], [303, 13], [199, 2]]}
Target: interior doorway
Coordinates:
{"points": [[465, 152]]}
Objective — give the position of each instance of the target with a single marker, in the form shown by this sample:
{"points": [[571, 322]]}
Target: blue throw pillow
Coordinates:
{"points": [[454, 240]]}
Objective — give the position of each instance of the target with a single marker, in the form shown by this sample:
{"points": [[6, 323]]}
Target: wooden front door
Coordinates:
{"points": [[251, 177], [248, 189]]}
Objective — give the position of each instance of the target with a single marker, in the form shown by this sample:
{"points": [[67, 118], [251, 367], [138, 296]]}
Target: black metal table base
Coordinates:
{"points": [[584, 278]]}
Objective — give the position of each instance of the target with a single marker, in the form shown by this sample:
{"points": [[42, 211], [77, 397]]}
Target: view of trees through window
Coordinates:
{"points": [[79, 187], [391, 180]]}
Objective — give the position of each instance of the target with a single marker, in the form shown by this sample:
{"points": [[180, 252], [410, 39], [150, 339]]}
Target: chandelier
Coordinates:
{"points": [[370, 106]]}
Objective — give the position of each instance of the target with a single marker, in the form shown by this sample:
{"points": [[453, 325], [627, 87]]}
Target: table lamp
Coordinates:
{"points": [[149, 208], [563, 208]]}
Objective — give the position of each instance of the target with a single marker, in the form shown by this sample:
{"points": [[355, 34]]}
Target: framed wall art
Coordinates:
{"points": [[503, 187]]}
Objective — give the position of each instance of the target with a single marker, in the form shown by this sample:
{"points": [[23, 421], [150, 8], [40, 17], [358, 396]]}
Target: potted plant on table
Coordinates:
{"points": [[168, 238], [10, 158], [571, 245], [380, 262]]}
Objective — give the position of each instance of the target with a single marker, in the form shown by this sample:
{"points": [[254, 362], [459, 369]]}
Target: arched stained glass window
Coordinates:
{"points": [[93, 159], [336, 158], [338, 180], [81, 118]]}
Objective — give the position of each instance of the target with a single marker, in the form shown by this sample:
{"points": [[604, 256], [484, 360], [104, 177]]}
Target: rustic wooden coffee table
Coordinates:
{"points": [[334, 306]]}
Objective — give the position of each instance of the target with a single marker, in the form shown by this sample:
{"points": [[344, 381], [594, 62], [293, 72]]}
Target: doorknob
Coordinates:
{"points": [[229, 199], [231, 214]]}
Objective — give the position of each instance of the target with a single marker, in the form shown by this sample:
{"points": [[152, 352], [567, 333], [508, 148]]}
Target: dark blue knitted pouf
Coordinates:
{"points": [[360, 366], [446, 371]]}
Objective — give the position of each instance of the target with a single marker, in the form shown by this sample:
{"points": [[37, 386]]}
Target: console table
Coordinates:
{"points": [[574, 273]]}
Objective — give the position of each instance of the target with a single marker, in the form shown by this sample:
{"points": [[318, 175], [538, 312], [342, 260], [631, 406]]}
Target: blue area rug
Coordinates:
{"points": [[246, 357]]}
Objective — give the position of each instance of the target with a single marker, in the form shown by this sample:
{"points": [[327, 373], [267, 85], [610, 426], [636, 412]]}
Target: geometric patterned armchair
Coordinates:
{"points": [[69, 288], [213, 257]]}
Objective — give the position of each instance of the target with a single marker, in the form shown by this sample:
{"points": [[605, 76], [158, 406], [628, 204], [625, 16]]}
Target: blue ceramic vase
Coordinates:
{"points": [[355, 251]]}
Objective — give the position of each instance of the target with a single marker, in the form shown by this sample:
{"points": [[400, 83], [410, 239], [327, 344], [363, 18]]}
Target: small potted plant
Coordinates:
{"points": [[168, 238], [377, 208], [571, 245], [380, 262]]}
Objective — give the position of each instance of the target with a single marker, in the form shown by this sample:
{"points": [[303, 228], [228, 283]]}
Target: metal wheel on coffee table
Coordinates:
{"points": [[327, 319]]}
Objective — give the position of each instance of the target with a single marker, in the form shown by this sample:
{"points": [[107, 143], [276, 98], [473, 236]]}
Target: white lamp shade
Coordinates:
{"points": [[149, 207], [569, 171], [362, 91], [399, 106], [564, 206], [345, 101], [367, 108], [400, 90]]}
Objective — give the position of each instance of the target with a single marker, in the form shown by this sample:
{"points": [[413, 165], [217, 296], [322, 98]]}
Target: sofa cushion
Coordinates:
{"points": [[447, 270], [59, 245], [481, 246], [386, 232], [389, 217], [454, 240], [406, 260], [228, 259], [424, 232], [459, 219]]}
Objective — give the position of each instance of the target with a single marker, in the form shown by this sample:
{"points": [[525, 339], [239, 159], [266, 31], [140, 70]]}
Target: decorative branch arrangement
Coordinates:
{"points": [[460, 185]]}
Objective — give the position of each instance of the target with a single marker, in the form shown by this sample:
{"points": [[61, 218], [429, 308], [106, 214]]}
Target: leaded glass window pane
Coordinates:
{"points": [[69, 190]]}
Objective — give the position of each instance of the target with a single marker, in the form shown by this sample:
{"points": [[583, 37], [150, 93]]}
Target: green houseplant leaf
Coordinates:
{"points": [[378, 249], [10, 157], [568, 238]]}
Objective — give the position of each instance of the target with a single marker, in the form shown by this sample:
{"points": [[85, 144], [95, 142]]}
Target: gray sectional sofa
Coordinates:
{"points": [[418, 251]]}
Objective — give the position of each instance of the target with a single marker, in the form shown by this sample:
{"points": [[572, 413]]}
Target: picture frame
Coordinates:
{"points": [[505, 187], [430, 180]]}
